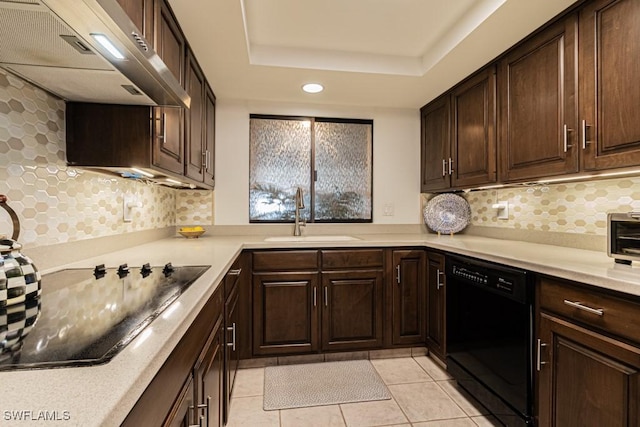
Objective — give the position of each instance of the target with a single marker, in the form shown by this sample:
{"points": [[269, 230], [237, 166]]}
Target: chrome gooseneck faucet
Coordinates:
{"points": [[299, 205]]}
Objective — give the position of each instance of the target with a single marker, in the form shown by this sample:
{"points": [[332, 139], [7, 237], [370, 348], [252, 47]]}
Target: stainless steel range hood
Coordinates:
{"points": [[53, 44]]}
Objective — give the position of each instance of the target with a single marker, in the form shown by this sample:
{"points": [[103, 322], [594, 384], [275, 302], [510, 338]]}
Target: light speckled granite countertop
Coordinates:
{"points": [[103, 395]]}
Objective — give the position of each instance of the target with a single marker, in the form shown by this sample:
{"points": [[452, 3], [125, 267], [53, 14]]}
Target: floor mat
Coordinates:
{"points": [[317, 384]]}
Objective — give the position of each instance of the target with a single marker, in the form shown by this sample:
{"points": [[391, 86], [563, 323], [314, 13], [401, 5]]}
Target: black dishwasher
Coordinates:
{"points": [[490, 336]]}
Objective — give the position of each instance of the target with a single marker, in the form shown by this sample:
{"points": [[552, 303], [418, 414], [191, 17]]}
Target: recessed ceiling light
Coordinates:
{"points": [[313, 88]]}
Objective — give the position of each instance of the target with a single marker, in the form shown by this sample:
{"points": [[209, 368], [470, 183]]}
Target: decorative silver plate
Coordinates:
{"points": [[447, 213]]}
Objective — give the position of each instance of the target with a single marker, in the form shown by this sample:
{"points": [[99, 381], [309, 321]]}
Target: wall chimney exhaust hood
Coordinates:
{"points": [[63, 47]]}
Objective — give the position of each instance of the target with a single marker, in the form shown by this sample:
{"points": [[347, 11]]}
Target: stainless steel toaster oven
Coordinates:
{"points": [[623, 237]]}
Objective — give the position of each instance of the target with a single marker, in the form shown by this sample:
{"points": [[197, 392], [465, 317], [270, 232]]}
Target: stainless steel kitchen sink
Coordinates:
{"points": [[327, 238]]}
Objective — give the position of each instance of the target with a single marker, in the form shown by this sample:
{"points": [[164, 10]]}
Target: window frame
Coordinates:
{"points": [[312, 167]]}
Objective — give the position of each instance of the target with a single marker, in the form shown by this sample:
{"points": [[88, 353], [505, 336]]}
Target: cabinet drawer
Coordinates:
{"points": [[349, 258], [617, 314], [285, 260]]}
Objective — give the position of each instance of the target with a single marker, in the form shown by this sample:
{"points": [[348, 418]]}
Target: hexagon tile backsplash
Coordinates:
{"points": [[58, 204], [579, 207]]}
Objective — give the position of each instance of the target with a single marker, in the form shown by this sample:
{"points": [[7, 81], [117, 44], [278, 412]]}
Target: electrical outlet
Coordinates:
{"points": [[388, 209], [502, 210], [129, 202]]}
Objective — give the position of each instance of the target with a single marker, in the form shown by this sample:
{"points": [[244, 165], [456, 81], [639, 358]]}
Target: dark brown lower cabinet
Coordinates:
{"points": [[285, 316], [352, 310], [182, 414], [209, 374], [231, 353], [407, 289], [336, 305], [196, 359], [586, 378], [436, 304]]}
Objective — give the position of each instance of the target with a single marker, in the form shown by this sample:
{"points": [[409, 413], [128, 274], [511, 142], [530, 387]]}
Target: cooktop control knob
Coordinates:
{"points": [[99, 271], [123, 270], [168, 269], [146, 270]]}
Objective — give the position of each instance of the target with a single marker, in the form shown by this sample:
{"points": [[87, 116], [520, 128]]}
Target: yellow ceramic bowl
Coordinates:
{"points": [[191, 234]]}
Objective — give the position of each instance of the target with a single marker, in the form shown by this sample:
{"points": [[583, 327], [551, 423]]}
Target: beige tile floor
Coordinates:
{"points": [[424, 395]]}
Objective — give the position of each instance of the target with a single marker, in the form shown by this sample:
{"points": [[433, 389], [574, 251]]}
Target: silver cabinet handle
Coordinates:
{"points": [[315, 296], [163, 125], [164, 128], [205, 405], [203, 165], [565, 137], [398, 273], [326, 296], [578, 305], [439, 284], [585, 141], [450, 166], [232, 328], [444, 167], [539, 361], [235, 272]]}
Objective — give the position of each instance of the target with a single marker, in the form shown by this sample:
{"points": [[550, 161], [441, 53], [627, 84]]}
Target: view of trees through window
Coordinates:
{"points": [[329, 159]]}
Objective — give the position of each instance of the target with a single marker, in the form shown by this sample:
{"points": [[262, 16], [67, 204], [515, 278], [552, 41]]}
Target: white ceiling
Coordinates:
{"points": [[382, 53]]}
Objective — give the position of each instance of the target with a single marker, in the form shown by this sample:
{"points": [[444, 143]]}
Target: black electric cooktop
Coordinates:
{"points": [[86, 316]]}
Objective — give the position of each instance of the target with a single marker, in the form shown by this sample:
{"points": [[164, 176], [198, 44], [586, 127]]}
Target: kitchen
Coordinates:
{"points": [[68, 214]]}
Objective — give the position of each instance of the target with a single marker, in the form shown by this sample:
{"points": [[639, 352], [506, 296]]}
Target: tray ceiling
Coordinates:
{"points": [[385, 53]]}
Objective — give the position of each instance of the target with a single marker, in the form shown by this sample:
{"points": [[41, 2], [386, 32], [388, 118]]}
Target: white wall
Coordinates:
{"points": [[396, 157]]}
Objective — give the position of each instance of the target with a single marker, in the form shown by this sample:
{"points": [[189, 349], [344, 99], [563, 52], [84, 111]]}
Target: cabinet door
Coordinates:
{"points": [[209, 136], [609, 89], [473, 133], [210, 376], [537, 88], [434, 144], [285, 313], [351, 309], [194, 155], [436, 304], [408, 295], [587, 379], [168, 147], [141, 14], [231, 355], [182, 414]]}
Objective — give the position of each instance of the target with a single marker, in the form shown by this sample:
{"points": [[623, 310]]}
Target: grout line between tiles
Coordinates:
{"points": [[421, 367]]}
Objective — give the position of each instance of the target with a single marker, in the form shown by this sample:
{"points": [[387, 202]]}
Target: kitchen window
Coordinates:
{"points": [[329, 159]]}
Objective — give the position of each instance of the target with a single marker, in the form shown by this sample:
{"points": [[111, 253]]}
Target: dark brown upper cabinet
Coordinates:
{"points": [[435, 119], [537, 89], [194, 118], [473, 130], [609, 89], [172, 141], [566, 104], [168, 147], [209, 136], [141, 14], [459, 135], [199, 124]]}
